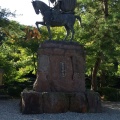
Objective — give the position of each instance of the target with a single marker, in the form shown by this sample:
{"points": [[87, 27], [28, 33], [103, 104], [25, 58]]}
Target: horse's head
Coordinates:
{"points": [[35, 6], [40, 6]]}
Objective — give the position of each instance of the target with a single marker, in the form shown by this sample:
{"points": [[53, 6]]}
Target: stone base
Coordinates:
{"points": [[57, 102], [61, 67]]}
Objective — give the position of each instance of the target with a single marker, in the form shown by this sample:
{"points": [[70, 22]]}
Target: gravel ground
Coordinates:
{"points": [[9, 110]]}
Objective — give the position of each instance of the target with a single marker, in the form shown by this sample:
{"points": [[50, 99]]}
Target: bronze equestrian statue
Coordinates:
{"points": [[59, 15]]}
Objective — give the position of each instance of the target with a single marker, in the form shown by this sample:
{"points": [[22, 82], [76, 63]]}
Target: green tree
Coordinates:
{"points": [[100, 35], [18, 48]]}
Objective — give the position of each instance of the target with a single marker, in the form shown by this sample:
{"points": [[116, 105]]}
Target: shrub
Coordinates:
{"points": [[14, 88], [110, 94], [15, 91]]}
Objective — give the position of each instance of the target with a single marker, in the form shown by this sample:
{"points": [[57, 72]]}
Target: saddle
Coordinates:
{"points": [[55, 14]]}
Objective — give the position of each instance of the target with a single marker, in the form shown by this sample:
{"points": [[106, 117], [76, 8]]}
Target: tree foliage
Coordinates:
{"points": [[18, 48], [100, 35]]}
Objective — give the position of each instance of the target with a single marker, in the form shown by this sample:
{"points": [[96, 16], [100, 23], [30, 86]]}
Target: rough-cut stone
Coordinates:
{"points": [[42, 102], [58, 51], [46, 51], [61, 68], [31, 102], [61, 74], [42, 83], [94, 102], [78, 103], [55, 102], [59, 102], [43, 64]]}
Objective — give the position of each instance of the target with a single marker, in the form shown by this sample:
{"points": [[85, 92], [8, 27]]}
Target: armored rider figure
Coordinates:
{"points": [[58, 5], [65, 6], [62, 7]]}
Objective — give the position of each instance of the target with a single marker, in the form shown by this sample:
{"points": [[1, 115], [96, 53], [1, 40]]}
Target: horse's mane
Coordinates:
{"points": [[42, 5]]}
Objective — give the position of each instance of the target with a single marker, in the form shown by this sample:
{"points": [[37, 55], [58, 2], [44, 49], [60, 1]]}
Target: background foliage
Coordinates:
{"points": [[99, 34]]}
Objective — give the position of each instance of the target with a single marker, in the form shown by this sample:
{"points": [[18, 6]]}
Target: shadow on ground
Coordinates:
{"points": [[111, 107]]}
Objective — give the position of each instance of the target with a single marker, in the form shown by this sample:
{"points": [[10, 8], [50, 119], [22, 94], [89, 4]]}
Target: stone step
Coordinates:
{"points": [[33, 102]]}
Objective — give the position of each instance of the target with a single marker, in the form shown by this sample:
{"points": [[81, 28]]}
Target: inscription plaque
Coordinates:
{"points": [[62, 69]]}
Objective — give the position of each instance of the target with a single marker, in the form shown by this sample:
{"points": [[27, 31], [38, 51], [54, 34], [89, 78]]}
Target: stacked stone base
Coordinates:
{"points": [[61, 73], [57, 102]]}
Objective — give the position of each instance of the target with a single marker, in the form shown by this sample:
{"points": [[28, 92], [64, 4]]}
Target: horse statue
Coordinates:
{"points": [[54, 18]]}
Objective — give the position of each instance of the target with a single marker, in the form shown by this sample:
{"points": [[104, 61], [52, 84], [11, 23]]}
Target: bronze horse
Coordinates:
{"points": [[52, 18]]}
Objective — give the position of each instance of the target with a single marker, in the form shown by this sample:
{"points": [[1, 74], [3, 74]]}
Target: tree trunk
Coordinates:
{"points": [[105, 8], [95, 71], [100, 54], [102, 78]]}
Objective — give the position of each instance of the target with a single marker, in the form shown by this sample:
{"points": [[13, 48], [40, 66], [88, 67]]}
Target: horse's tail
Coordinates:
{"points": [[79, 18]]}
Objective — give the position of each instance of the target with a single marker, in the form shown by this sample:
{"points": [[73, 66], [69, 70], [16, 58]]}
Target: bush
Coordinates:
{"points": [[14, 88], [2, 92], [15, 91], [110, 94]]}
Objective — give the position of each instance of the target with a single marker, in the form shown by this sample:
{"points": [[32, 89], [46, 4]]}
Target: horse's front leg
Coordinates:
{"points": [[37, 24], [49, 32]]}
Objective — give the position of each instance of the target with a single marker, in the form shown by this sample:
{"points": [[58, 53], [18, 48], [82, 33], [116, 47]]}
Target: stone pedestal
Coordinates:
{"points": [[60, 83], [61, 68], [59, 102]]}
